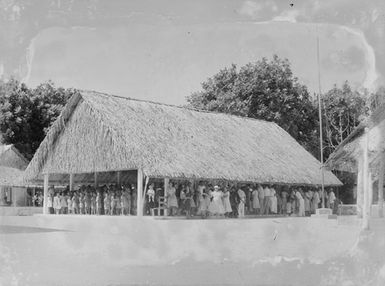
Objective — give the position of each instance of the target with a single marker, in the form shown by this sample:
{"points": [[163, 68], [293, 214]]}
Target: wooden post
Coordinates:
{"points": [[166, 183], [71, 182], [45, 193], [360, 187], [366, 183], [139, 204], [381, 187], [119, 178], [95, 180], [370, 201]]}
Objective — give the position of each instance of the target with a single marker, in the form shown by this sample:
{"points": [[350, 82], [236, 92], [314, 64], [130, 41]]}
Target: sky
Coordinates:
{"points": [[162, 50]]}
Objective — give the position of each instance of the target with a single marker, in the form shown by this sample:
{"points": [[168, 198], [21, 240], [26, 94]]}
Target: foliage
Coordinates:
{"points": [[265, 90], [376, 99], [26, 114], [343, 110]]}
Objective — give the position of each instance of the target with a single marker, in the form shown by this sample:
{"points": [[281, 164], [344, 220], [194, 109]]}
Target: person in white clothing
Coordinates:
{"points": [[56, 203], [241, 204], [331, 199], [301, 202]]}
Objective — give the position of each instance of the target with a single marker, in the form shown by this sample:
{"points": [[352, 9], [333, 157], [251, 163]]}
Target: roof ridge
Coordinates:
{"points": [[177, 106]]}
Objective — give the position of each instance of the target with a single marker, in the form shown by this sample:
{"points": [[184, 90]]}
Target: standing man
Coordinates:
{"points": [[266, 200], [261, 197]]}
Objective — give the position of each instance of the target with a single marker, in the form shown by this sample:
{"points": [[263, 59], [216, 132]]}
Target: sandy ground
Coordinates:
{"points": [[72, 250]]}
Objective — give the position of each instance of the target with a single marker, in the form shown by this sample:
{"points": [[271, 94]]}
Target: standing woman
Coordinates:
{"points": [[112, 204], [307, 203], [70, 204], [93, 203], [284, 195], [216, 206], [226, 202], [63, 204], [75, 203], [106, 204], [98, 203], [301, 203], [315, 201], [172, 201], [50, 204], [118, 203], [56, 203], [274, 202], [241, 205], [203, 203], [255, 199]]}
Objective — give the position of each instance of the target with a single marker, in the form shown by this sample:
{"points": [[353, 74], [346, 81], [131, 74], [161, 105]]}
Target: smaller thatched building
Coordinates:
{"points": [[12, 166], [108, 137], [362, 152]]}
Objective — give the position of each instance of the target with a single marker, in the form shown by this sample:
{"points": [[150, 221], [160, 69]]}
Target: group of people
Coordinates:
{"points": [[106, 200], [186, 199], [206, 200]]}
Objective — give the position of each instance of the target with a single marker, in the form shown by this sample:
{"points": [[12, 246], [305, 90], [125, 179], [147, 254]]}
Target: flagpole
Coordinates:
{"points": [[320, 123]]}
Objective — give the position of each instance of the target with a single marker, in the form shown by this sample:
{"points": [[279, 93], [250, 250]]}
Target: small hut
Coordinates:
{"points": [[103, 138], [12, 165], [362, 152]]}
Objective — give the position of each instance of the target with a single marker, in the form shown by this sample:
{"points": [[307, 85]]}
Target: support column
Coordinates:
{"points": [[366, 182], [360, 187], [95, 180], [119, 178], [139, 205], [71, 182], [45, 193], [166, 183], [381, 186]]}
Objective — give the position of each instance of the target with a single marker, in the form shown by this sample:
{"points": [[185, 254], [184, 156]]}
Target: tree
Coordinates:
{"points": [[266, 89], [343, 110], [26, 114], [376, 99]]}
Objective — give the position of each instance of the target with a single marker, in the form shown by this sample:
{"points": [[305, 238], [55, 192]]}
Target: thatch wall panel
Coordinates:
{"points": [[113, 133]]}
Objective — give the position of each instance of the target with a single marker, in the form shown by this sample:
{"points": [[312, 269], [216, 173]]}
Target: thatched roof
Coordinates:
{"points": [[12, 164], [100, 132], [11, 177], [345, 157], [11, 157]]}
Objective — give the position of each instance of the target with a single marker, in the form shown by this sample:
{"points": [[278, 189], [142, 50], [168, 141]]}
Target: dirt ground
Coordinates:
{"points": [[85, 250]]}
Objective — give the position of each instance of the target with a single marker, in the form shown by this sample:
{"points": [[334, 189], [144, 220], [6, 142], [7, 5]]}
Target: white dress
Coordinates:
{"points": [[216, 205], [226, 202], [301, 201], [255, 199]]}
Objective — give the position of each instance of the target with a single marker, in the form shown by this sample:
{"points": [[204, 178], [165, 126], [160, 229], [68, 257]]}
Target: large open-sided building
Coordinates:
{"points": [[100, 137]]}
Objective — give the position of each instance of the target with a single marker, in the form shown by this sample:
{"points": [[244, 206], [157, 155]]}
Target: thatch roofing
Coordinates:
{"points": [[100, 132], [345, 157], [12, 164], [11, 157], [11, 177]]}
